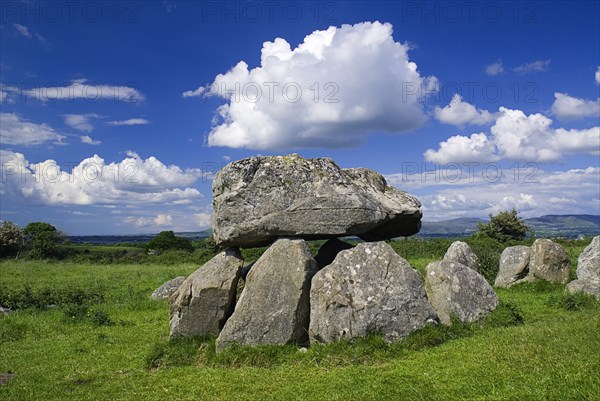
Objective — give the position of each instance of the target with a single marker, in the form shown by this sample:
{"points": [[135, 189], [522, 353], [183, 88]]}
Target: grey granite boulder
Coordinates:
{"points": [[206, 298], [514, 266], [456, 290], [366, 290], [274, 305], [260, 199], [167, 289], [462, 253], [588, 270], [549, 262]]}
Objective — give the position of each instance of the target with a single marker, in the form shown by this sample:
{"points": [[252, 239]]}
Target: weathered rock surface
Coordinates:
{"points": [[456, 290], [5, 311], [588, 270], [206, 298], [329, 250], [549, 262], [514, 266], [462, 253], [588, 263], [167, 289], [260, 199], [367, 289], [274, 305]]}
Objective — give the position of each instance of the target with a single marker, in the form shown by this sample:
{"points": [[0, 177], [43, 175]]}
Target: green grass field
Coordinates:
{"points": [[105, 339]]}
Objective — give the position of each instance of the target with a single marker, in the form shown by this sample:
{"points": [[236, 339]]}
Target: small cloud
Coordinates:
{"points": [[226, 158], [170, 6], [131, 121], [163, 220], [26, 33], [202, 219], [81, 122], [494, 68], [535, 66], [16, 131], [460, 113], [567, 107], [598, 76], [23, 31], [87, 139]]}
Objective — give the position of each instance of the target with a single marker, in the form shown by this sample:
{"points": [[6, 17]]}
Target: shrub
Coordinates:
{"points": [[504, 226], [12, 239], [42, 239], [167, 240]]}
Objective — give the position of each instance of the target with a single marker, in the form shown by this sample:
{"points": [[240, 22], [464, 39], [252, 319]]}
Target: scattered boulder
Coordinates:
{"points": [[260, 199], [274, 305], [329, 250], [588, 271], [368, 289], [549, 262], [462, 253], [456, 290], [206, 298], [514, 266], [167, 289]]}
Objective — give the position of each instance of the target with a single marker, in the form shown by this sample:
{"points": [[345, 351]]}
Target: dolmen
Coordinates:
{"points": [[288, 296]]}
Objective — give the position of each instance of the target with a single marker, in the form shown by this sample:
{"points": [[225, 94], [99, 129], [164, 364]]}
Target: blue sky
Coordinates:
{"points": [[115, 115]]}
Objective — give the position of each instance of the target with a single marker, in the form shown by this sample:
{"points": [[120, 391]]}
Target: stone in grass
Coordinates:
{"points": [[206, 298], [514, 266], [456, 290], [549, 262], [588, 271], [368, 289], [274, 305], [462, 253]]}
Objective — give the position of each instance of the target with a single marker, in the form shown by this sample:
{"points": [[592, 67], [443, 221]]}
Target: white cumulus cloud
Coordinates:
{"points": [[461, 113], [597, 76], [567, 107], [16, 131], [88, 140], [516, 136], [93, 181], [333, 89]]}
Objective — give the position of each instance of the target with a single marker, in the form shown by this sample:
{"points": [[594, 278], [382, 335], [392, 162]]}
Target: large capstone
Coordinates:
{"points": [[205, 300], [274, 305], [457, 290], [368, 289], [260, 199]]}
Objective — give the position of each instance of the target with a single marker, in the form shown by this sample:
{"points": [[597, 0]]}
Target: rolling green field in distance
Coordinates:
{"points": [[103, 338]]}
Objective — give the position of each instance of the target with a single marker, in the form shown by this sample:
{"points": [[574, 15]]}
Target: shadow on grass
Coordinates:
{"points": [[370, 350]]}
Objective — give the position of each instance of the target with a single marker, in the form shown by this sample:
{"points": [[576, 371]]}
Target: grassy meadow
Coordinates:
{"points": [[89, 331]]}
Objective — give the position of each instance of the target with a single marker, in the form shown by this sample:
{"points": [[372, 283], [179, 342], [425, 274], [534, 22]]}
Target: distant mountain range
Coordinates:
{"points": [[552, 225]]}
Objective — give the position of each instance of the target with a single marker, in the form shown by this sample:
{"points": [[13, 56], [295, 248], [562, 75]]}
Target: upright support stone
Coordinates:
{"points": [[368, 289], [206, 298], [274, 305]]}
